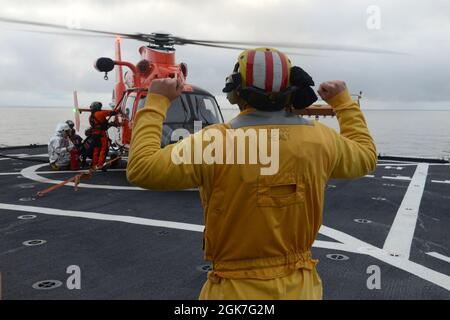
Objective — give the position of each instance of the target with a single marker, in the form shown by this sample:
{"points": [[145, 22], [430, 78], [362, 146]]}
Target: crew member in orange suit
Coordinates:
{"points": [[99, 124]]}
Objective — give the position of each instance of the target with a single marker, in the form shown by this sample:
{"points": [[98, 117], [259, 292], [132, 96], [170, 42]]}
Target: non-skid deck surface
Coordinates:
{"points": [[136, 244]]}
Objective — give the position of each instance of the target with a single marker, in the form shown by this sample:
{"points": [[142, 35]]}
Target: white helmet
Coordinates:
{"points": [[62, 128]]}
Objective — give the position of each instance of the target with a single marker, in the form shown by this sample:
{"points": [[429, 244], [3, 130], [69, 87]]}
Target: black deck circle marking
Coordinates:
{"points": [[47, 284], [362, 220], [27, 217], [204, 268], [337, 257], [35, 242]]}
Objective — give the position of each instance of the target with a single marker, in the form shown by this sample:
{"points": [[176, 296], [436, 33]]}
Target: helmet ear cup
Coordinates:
{"points": [[234, 81], [232, 85], [300, 77], [302, 94], [303, 98]]}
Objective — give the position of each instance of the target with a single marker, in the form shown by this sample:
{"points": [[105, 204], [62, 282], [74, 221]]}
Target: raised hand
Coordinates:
{"points": [[329, 89], [168, 87]]}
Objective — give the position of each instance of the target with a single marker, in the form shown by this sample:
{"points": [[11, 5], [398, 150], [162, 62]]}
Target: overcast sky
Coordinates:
{"points": [[42, 69]]}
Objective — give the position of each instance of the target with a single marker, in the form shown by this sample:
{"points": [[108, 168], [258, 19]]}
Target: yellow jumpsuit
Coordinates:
{"points": [[259, 229]]}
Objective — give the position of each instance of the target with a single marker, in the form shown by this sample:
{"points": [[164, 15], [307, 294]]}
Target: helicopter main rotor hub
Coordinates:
{"points": [[160, 41]]}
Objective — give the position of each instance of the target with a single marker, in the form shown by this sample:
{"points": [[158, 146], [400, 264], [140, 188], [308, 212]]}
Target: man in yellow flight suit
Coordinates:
{"points": [[259, 228]]}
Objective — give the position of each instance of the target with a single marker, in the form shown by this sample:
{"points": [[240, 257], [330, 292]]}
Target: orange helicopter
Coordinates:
{"points": [[158, 61]]}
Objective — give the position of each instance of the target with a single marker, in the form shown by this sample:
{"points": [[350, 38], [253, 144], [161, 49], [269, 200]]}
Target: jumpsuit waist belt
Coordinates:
{"points": [[263, 269]]}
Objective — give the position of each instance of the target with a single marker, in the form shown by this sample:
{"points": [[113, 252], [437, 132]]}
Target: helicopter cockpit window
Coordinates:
{"points": [[177, 112], [206, 109]]}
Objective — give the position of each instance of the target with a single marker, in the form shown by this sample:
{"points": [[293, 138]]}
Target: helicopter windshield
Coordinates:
{"points": [[190, 107], [176, 114], [205, 108]]}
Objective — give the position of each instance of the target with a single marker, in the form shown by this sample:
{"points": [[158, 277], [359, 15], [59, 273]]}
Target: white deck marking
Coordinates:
{"points": [[45, 155], [17, 173], [22, 155], [401, 178], [397, 178], [347, 242], [17, 154], [396, 164], [407, 265], [32, 174], [104, 216], [397, 161], [56, 172], [439, 256], [439, 181], [334, 246], [409, 163], [402, 230]]}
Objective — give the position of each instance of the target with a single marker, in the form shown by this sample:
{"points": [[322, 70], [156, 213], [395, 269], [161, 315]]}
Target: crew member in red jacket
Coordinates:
{"points": [[100, 124]]}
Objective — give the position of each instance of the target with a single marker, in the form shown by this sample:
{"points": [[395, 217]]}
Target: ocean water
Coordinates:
{"points": [[405, 133]]}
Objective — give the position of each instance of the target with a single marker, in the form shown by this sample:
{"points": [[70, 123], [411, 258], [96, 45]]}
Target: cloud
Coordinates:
{"points": [[41, 69]]}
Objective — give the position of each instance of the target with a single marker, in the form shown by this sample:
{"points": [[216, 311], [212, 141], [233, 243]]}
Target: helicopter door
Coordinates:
{"points": [[128, 107]]}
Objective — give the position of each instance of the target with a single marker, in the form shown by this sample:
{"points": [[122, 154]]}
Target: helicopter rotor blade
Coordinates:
{"points": [[307, 46], [244, 48], [67, 28], [68, 33], [212, 43]]}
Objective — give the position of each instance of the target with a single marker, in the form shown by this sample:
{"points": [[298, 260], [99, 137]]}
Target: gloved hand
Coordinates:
{"points": [[329, 89], [168, 87]]}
